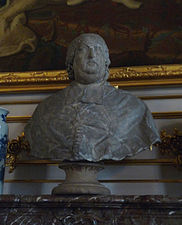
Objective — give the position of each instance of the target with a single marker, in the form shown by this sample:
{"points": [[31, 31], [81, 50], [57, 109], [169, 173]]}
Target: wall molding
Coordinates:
{"points": [[102, 181], [43, 81], [34, 102], [156, 115]]}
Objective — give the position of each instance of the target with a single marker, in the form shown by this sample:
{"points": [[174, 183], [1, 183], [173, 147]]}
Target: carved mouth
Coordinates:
{"points": [[91, 62]]}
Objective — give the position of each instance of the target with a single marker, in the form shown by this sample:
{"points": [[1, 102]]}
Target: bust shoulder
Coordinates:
{"points": [[51, 103], [121, 98]]}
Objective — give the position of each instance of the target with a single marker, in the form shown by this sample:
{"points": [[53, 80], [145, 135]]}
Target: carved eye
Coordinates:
{"points": [[98, 49], [81, 49]]}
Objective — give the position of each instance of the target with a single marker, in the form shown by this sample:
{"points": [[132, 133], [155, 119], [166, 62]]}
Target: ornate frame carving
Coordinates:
{"points": [[122, 77], [171, 145]]}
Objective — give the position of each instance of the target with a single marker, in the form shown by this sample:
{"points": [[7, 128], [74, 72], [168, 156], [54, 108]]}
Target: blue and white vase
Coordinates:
{"points": [[3, 144]]}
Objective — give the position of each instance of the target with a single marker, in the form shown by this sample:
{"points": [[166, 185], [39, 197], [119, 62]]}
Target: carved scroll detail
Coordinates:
{"points": [[120, 73], [172, 145], [15, 147]]}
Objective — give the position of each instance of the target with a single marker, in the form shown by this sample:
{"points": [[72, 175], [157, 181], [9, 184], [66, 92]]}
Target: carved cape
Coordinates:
{"points": [[90, 122]]}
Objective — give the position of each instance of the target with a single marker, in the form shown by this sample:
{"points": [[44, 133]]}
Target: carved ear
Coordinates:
{"points": [[70, 72]]}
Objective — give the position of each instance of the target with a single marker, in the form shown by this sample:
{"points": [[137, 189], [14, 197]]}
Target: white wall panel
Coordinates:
{"points": [[23, 97], [168, 124], [118, 189], [15, 129], [25, 189], [20, 110], [110, 172], [165, 105], [155, 91]]}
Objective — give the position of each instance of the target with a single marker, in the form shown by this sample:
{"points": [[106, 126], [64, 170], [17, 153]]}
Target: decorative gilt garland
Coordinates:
{"points": [[15, 148], [171, 144]]}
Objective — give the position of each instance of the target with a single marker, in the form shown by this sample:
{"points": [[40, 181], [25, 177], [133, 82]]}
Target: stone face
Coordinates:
{"points": [[90, 210], [90, 120]]}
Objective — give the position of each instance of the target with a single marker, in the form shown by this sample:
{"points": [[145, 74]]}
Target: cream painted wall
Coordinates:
{"points": [[111, 172]]}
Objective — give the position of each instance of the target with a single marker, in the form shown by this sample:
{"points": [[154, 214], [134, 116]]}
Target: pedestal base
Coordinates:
{"points": [[81, 178]]}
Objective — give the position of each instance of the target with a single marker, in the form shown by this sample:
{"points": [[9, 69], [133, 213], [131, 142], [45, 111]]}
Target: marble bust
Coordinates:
{"points": [[90, 119]]}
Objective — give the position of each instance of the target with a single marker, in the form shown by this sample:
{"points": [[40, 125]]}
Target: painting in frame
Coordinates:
{"points": [[144, 39]]}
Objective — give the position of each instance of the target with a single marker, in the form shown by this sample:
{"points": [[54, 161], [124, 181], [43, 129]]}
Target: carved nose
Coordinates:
{"points": [[91, 53]]}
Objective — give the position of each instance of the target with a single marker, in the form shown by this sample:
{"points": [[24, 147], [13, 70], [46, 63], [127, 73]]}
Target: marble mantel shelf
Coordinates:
{"points": [[90, 210]]}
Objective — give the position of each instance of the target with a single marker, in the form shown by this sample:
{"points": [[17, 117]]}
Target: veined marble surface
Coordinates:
{"points": [[90, 210]]}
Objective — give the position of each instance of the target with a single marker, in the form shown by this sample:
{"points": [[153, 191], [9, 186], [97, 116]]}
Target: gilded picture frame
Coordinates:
{"points": [[122, 76], [142, 44]]}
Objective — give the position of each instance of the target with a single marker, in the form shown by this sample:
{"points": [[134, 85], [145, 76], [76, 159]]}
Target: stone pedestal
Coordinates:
{"points": [[81, 178]]}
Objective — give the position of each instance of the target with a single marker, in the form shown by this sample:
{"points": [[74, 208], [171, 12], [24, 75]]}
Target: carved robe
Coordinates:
{"points": [[90, 122]]}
